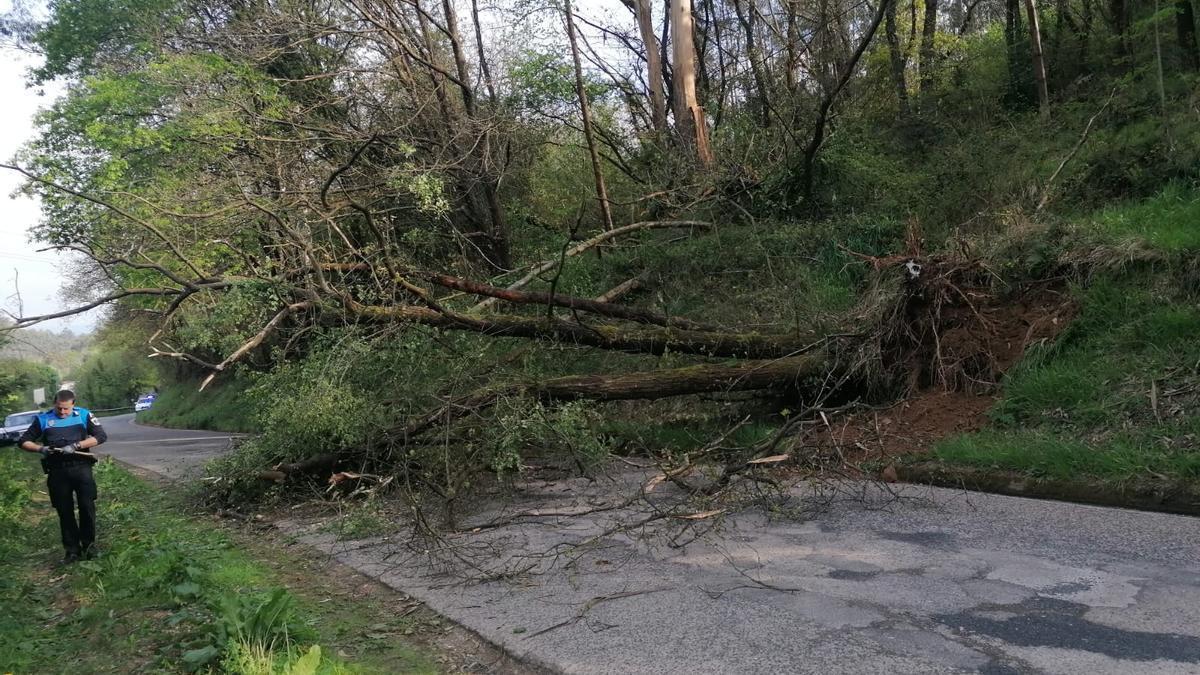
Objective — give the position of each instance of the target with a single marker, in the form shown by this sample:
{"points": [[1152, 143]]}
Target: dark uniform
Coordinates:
{"points": [[69, 477]]}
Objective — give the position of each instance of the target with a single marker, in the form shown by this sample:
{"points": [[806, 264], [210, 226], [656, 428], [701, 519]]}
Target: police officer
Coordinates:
{"points": [[58, 435]]}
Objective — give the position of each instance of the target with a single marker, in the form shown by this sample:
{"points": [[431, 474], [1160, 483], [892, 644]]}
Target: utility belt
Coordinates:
{"points": [[51, 463]]}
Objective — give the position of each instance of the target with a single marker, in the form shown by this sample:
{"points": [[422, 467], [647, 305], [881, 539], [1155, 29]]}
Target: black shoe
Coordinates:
{"points": [[90, 552], [71, 557]]}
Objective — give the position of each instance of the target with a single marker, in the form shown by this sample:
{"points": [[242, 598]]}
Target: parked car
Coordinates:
{"points": [[144, 402], [15, 425]]}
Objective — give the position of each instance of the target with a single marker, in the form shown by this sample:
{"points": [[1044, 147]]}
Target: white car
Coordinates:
{"points": [[15, 425], [144, 403]]}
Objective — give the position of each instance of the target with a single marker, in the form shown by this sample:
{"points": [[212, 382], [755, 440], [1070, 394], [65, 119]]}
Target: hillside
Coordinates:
{"points": [[863, 240]]}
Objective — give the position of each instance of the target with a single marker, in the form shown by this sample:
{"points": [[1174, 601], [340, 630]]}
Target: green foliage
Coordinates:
{"points": [[1166, 222], [1121, 457], [62, 351], [1116, 397], [225, 405], [522, 428], [82, 34], [168, 594], [114, 379], [18, 379], [543, 80]]}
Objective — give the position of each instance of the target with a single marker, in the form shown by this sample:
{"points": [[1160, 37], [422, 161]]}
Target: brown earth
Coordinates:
{"points": [[964, 340]]}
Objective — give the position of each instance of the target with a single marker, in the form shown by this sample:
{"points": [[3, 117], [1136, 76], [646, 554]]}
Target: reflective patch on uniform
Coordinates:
{"points": [[93, 420], [51, 422]]}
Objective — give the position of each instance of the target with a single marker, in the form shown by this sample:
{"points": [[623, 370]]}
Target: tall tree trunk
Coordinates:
{"points": [[928, 68], [1185, 30], [483, 62], [1016, 59], [1085, 35], [793, 46], [747, 22], [806, 178], [1039, 65], [897, 58], [1119, 9], [654, 75], [498, 233], [584, 111], [689, 116]]}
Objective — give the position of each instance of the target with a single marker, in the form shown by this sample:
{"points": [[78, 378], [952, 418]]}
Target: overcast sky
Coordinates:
{"points": [[29, 281]]}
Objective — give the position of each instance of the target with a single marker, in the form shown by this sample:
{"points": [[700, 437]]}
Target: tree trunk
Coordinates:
{"points": [[793, 46], [928, 32], [654, 76], [781, 374], [1016, 60], [655, 341], [1039, 65], [483, 62], [1119, 9], [1185, 30], [589, 136], [764, 101], [897, 59], [806, 179], [566, 301], [689, 116]]}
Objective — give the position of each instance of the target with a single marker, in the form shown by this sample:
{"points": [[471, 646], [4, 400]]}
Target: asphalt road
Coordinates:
{"points": [[938, 582], [174, 453]]}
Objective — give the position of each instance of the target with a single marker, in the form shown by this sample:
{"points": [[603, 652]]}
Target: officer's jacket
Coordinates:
{"points": [[56, 431]]}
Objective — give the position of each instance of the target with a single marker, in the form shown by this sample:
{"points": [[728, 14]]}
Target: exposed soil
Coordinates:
{"points": [[959, 342]]}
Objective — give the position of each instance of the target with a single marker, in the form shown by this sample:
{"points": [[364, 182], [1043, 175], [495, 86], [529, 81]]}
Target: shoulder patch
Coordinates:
{"points": [[93, 419]]}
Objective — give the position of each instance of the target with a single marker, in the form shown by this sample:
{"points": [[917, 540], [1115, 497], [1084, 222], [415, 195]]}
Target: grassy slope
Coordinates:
{"points": [[1118, 397], [166, 584], [223, 406]]}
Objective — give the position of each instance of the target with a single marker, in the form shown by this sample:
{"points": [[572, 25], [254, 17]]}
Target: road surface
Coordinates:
{"points": [[174, 453], [940, 582]]}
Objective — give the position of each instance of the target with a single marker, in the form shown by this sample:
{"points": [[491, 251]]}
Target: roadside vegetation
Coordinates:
{"points": [[425, 264], [175, 593]]}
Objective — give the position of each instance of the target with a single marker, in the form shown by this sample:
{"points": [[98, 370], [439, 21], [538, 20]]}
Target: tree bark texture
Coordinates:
{"points": [[928, 55], [1185, 31], [1039, 64], [896, 58], [654, 74], [585, 112], [689, 116], [780, 374], [655, 341]]}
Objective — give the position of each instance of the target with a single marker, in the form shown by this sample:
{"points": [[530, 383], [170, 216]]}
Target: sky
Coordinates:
{"points": [[29, 280]]}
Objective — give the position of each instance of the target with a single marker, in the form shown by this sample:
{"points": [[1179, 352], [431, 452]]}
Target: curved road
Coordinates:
{"points": [[175, 453], [942, 582]]}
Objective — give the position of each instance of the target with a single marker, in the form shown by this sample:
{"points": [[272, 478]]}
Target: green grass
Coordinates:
{"points": [[1168, 222], [168, 594], [222, 406], [1047, 454], [1117, 398]]}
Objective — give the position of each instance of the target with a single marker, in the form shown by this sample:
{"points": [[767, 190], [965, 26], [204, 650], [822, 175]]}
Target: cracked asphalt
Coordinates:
{"points": [[939, 581]]}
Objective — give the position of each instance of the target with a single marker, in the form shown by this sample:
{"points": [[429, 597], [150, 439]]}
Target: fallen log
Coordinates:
{"points": [[657, 341], [778, 374], [570, 302]]}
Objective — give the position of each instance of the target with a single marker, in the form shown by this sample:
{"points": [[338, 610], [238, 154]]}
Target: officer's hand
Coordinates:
{"points": [[44, 452], [69, 449]]}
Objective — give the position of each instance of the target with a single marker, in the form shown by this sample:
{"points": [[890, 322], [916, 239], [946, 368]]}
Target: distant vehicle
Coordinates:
{"points": [[144, 402], [15, 425]]}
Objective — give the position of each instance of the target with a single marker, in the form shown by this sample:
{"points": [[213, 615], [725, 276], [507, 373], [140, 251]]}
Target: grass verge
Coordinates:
{"points": [[173, 594], [1115, 402], [223, 406]]}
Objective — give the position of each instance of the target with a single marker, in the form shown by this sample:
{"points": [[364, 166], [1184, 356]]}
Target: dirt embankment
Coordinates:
{"points": [[958, 344]]}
